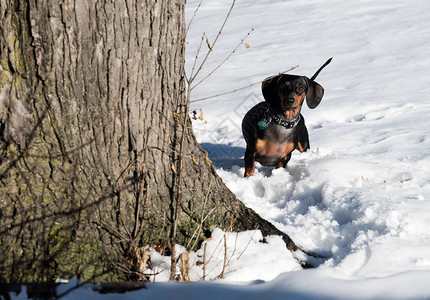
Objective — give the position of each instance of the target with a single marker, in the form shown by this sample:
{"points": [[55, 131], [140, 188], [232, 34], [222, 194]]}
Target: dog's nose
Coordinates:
{"points": [[290, 100]]}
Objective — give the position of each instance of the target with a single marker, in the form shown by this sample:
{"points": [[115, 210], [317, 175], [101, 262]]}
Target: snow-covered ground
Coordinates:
{"points": [[361, 196]]}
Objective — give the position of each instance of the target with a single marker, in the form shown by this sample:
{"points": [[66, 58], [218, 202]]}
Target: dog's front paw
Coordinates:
{"points": [[249, 171]]}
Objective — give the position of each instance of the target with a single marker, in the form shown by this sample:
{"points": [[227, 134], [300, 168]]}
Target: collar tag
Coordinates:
{"points": [[264, 123]]}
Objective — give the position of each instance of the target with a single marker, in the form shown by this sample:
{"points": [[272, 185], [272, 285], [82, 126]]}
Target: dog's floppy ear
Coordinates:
{"points": [[270, 89], [314, 93]]}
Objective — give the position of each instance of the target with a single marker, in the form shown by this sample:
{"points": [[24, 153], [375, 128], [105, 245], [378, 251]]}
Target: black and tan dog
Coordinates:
{"points": [[274, 128]]}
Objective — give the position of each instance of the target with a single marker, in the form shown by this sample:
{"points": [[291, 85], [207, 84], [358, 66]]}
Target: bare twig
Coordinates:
{"points": [[238, 89], [246, 247], [233, 219], [114, 232], [213, 255], [204, 261], [195, 59], [127, 170], [185, 266], [157, 271], [213, 44], [219, 252], [225, 258], [179, 167], [138, 221], [192, 18], [178, 189], [234, 250], [203, 218], [123, 224], [172, 259], [217, 67]]}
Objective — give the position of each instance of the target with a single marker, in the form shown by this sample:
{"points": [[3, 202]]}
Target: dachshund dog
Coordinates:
{"points": [[274, 128]]}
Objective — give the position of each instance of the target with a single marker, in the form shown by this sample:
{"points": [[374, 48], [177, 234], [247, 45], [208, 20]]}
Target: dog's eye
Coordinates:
{"points": [[300, 89]]}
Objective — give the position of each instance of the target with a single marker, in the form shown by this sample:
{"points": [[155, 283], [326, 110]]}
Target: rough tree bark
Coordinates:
{"points": [[91, 111]]}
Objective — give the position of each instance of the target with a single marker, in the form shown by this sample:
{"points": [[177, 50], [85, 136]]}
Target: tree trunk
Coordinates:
{"points": [[92, 108]]}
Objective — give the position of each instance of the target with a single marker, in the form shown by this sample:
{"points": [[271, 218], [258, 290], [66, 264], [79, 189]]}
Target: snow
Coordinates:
{"points": [[242, 253], [360, 197]]}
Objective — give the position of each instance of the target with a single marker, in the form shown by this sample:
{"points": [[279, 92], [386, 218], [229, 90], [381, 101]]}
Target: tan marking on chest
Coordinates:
{"points": [[269, 148]]}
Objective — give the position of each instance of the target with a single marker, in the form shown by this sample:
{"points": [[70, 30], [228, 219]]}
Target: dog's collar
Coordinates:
{"points": [[271, 116], [287, 124]]}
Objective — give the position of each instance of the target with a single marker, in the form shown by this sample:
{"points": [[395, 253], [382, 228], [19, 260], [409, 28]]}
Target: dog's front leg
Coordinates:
{"points": [[249, 162], [284, 161]]}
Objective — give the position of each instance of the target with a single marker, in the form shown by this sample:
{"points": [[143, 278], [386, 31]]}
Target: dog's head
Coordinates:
{"points": [[286, 93]]}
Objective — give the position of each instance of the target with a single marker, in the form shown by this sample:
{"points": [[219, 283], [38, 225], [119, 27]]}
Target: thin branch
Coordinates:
{"points": [[179, 180], [204, 261], [196, 58], [127, 170], [155, 273], [199, 228], [234, 50], [145, 203], [214, 251], [110, 229], [218, 253], [125, 269], [192, 18], [239, 89], [225, 258], [201, 225], [234, 250], [124, 225], [138, 228], [213, 44], [246, 247]]}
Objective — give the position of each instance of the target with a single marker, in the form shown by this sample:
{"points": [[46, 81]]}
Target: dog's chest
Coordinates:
{"points": [[275, 141]]}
